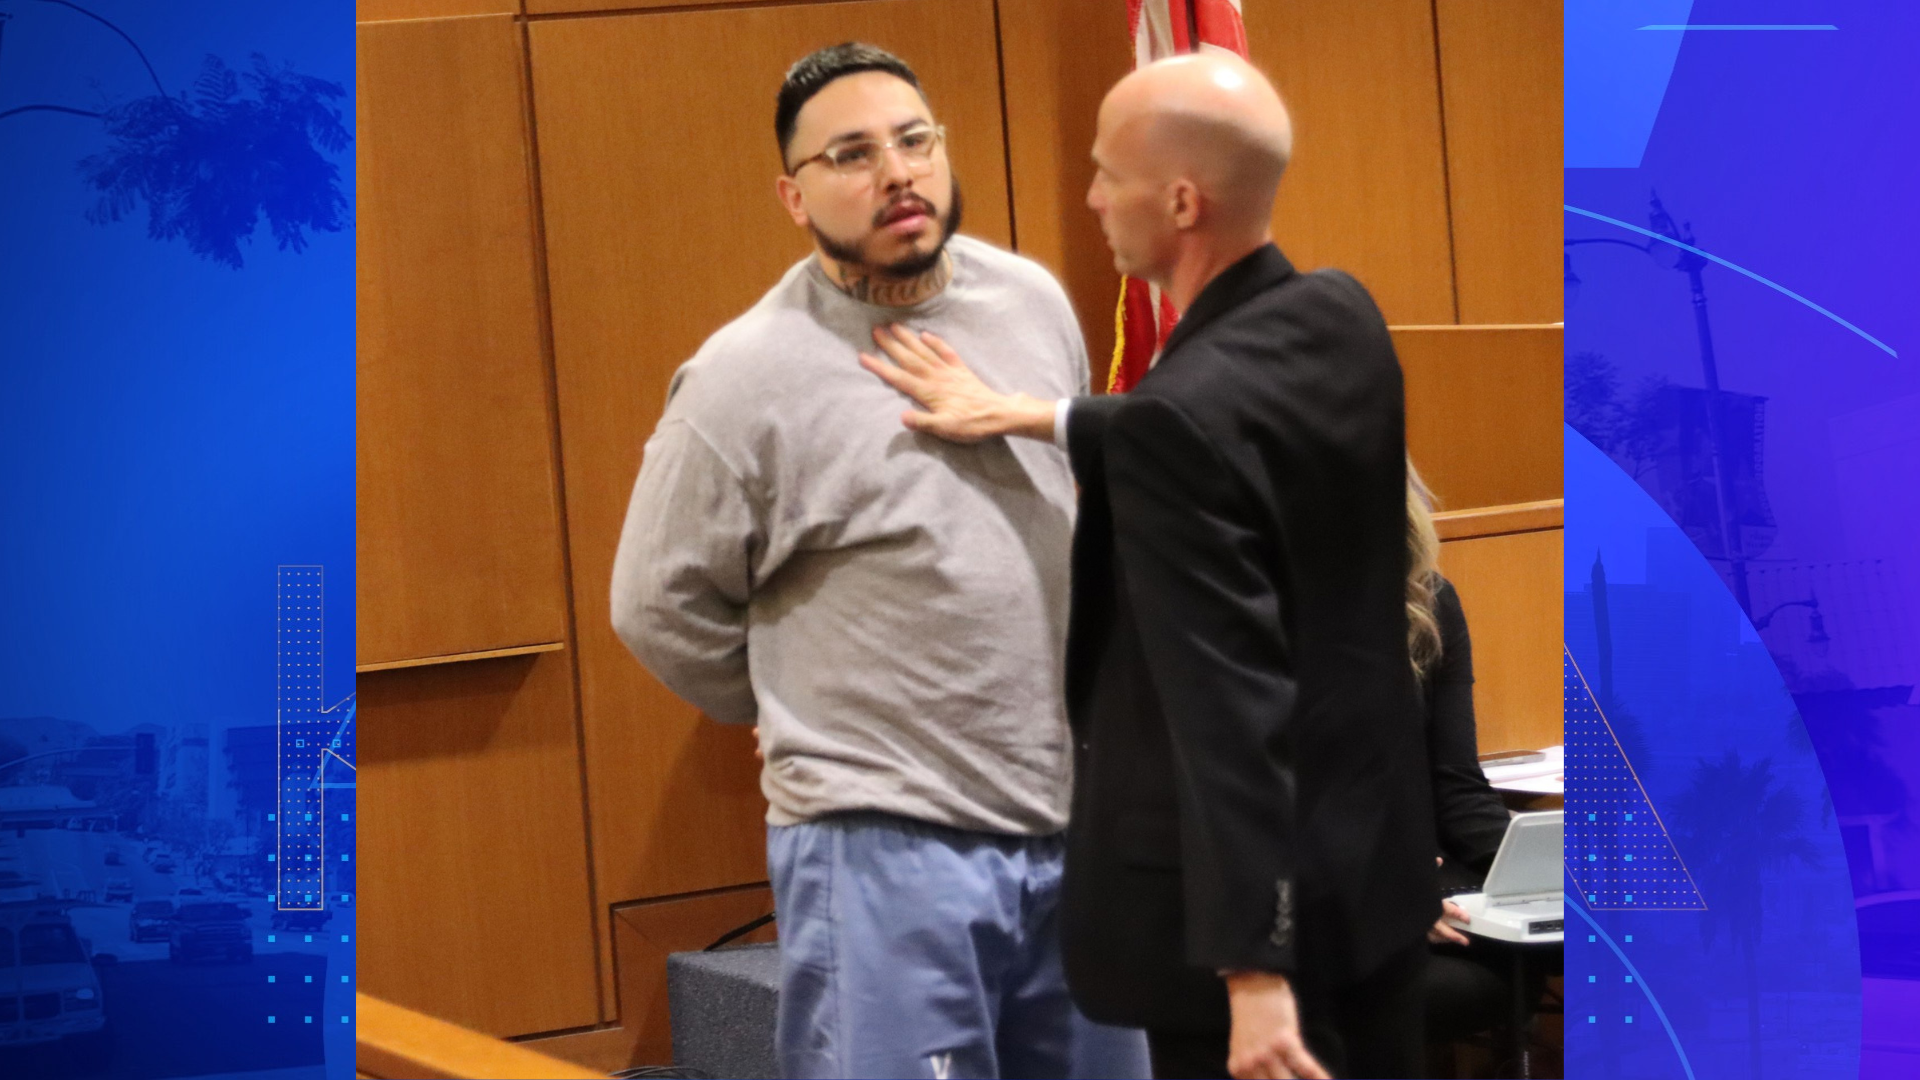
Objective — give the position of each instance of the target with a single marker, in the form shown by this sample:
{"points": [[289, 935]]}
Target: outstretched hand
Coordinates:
{"points": [[954, 404]]}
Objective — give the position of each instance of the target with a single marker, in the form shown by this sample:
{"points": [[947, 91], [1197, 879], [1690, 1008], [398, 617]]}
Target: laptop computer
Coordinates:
{"points": [[1521, 899]]}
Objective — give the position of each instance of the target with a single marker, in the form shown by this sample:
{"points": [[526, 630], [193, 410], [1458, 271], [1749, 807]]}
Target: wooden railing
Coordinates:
{"points": [[1500, 520], [395, 1043]]}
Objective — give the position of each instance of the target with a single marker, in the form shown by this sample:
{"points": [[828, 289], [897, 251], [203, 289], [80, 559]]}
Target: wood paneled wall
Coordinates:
{"points": [[1367, 188], [1505, 564], [1500, 73], [561, 198], [1060, 57], [1483, 411], [475, 902], [459, 524], [473, 822]]}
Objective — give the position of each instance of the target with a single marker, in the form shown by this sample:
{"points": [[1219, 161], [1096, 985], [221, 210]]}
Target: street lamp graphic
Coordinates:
{"points": [[1816, 625], [1675, 257]]}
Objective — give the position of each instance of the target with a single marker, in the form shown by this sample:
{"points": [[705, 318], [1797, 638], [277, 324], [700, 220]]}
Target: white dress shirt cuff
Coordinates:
{"points": [[1060, 422]]}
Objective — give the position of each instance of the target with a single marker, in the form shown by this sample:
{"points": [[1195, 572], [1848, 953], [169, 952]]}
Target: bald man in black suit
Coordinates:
{"points": [[1250, 859]]}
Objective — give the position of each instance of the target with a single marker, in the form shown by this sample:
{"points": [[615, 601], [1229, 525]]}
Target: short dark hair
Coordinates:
{"points": [[813, 72]]}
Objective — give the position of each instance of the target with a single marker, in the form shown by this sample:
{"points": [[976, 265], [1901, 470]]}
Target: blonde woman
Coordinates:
{"points": [[1468, 814], [1467, 979]]}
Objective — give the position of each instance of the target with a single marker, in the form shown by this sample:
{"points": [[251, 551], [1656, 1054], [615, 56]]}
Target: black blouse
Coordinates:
{"points": [[1468, 813]]}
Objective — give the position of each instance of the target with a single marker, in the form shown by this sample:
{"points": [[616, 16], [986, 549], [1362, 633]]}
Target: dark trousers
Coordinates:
{"points": [[1370, 1029], [1469, 989]]}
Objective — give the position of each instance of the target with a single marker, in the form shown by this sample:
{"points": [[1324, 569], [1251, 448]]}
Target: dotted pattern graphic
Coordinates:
{"points": [[306, 730], [1617, 848]]}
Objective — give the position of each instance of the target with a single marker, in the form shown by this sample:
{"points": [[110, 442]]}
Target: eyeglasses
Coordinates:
{"points": [[916, 147]]}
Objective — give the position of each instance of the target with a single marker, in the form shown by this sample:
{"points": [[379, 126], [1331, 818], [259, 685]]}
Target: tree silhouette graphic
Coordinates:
{"points": [[1735, 825], [209, 165]]}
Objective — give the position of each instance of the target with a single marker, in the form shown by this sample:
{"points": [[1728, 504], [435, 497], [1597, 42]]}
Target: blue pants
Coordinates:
{"points": [[913, 950]]}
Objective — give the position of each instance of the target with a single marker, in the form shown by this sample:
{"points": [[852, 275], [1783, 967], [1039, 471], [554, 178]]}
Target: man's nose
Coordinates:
{"points": [[894, 172]]}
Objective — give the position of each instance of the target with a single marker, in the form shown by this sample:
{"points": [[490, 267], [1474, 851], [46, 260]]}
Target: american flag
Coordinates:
{"points": [[1162, 28]]}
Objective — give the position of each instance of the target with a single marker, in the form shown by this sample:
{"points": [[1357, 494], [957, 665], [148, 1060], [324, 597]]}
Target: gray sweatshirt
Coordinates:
{"points": [[889, 608]]}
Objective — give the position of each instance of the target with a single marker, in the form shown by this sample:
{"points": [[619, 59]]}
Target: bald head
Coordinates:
{"points": [[1210, 118]]}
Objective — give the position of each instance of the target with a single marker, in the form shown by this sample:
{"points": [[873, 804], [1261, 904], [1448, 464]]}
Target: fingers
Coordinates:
{"points": [[911, 339], [1304, 1065], [895, 377], [1442, 931], [941, 349], [1266, 1066], [901, 355], [906, 349], [1285, 1062]]}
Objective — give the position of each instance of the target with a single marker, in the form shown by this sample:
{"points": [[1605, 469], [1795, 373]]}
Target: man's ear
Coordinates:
{"points": [[1183, 203], [787, 189]]}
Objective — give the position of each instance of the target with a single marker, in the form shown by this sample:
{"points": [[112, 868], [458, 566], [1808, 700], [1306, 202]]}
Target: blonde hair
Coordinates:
{"points": [[1423, 574]]}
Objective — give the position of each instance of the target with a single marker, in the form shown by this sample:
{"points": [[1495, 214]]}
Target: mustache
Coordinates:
{"points": [[919, 204]]}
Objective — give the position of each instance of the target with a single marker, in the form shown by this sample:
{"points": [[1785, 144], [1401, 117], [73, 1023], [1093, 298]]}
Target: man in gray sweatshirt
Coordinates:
{"points": [[888, 608]]}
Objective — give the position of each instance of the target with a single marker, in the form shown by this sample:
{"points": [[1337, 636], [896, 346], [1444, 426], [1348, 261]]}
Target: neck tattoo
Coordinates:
{"points": [[871, 287]]}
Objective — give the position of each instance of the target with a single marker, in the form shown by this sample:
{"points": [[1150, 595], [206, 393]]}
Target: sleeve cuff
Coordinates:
{"points": [[1060, 410]]}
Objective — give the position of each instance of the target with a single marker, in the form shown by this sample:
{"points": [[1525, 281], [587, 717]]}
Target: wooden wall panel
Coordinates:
{"points": [[553, 7], [1510, 587], [475, 906], [657, 171], [459, 530], [1061, 58], [1367, 188], [1483, 411], [382, 10], [1500, 75]]}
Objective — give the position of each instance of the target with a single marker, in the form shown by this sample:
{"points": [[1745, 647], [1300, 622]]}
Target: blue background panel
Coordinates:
{"points": [[1757, 253], [176, 427]]}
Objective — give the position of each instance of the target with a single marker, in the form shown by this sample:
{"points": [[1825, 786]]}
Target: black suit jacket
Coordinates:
{"points": [[1252, 788]]}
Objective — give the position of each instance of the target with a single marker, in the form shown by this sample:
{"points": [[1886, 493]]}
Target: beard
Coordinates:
{"points": [[853, 253]]}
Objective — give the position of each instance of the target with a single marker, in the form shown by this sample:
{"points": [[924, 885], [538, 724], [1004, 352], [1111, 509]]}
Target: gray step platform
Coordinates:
{"points": [[723, 1005]]}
